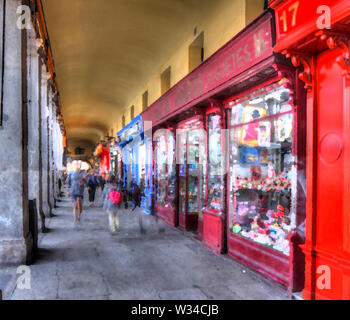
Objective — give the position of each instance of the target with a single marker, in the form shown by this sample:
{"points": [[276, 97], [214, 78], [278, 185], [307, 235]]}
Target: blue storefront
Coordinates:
{"points": [[137, 160]]}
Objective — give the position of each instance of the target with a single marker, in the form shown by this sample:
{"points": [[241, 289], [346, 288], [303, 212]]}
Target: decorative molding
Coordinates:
{"points": [[304, 59], [339, 40], [289, 74]]}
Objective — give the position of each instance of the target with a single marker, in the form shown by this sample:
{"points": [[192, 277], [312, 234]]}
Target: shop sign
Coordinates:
{"points": [[297, 18], [242, 52]]}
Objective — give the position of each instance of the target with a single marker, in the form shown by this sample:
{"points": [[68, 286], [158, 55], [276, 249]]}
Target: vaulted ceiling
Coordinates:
{"points": [[106, 50]]}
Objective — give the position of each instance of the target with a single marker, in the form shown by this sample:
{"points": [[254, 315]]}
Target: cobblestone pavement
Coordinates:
{"points": [[145, 260]]}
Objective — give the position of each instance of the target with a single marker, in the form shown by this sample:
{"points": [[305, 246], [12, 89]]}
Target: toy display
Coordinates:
{"points": [[284, 126], [260, 174], [250, 132], [249, 155]]}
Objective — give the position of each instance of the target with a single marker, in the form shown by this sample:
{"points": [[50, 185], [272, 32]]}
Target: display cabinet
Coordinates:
{"points": [[191, 156], [213, 214], [165, 175]]}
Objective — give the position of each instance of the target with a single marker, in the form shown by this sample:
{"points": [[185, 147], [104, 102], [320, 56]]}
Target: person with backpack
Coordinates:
{"points": [[115, 198]]}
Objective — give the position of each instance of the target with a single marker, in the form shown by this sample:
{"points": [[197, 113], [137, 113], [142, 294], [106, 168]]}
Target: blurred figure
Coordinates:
{"points": [[136, 195], [114, 200], [102, 180], [92, 184], [76, 182]]}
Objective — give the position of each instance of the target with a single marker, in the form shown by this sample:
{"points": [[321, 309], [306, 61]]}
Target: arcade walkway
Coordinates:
{"points": [[146, 260]]}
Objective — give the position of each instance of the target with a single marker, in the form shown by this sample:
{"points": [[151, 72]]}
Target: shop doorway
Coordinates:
{"points": [[191, 159]]}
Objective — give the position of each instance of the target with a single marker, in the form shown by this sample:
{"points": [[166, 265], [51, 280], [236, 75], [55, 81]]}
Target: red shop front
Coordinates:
{"points": [[316, 36], [229, 149]]}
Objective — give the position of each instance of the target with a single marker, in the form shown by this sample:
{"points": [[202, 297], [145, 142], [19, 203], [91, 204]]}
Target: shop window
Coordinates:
{"points": [[165, 168], [261, 167], [165, 80], [196, 52], [132, 112], [145, 100], [216, 164], [191, 157]]}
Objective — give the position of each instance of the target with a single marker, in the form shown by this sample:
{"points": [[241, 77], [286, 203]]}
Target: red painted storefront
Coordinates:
{"points": [[321, 52], [217, 133]]}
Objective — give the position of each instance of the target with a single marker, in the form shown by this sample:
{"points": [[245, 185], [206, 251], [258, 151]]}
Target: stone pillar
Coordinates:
{"points": [[34, 125], [51, 164], [15, 238], [40, 204], [54, 150], [44, 142]]}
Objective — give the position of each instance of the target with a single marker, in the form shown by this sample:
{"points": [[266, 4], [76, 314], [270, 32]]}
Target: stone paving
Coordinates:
{"points": [[145, 260]]}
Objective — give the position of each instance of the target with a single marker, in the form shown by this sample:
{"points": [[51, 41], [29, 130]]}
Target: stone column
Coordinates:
{"points": [[34, 125], [40, 204], [51, 164], [44, 142], [15, 238]]}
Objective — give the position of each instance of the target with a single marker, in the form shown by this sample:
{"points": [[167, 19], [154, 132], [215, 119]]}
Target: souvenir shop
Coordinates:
{"points": [[229, 147], [136, 160], [315, 36]]}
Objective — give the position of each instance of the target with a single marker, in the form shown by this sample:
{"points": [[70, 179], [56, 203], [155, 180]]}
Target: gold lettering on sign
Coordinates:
{"points": [[293, 8], [259, 43]]}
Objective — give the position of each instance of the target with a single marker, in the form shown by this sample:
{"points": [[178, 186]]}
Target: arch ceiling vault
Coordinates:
{"points": [[105, 51]]}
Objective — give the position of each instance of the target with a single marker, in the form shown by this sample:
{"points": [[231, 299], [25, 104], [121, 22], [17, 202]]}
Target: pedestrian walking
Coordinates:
{"points": [[125, 195], [102, 181], [76, 182], [114, 201], [136, 195], [92, 184], [107, 188]]}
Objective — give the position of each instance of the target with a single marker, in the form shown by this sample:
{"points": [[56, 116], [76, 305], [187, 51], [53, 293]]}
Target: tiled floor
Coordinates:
{"points": [[145, 260]]}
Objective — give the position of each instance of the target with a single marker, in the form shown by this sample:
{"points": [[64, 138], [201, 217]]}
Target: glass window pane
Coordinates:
{"points": [[171, 166], [260, 176], [215, 168], [270, 101]]}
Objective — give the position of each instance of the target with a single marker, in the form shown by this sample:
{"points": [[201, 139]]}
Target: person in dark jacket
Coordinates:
{"points": [[102, 181], [136, 195], [92, 184]]}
